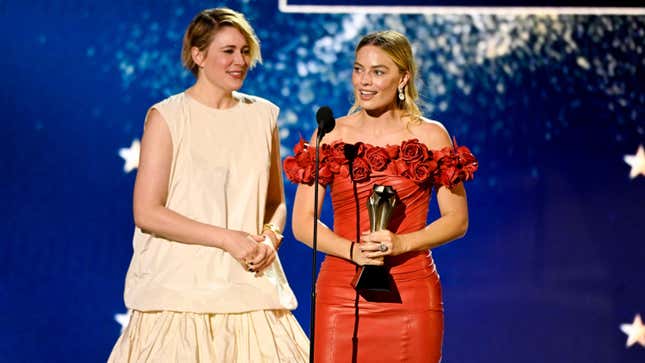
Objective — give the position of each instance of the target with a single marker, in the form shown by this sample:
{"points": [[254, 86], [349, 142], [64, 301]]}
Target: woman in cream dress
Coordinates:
{"points": [[204, 283]]}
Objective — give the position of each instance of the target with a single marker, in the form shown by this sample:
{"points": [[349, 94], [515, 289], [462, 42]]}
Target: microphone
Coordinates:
{"points": [[350, 151], [326, 121]]}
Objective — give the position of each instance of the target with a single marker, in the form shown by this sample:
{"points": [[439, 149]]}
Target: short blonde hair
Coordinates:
{"points": [[206, 24], [397, 46]]}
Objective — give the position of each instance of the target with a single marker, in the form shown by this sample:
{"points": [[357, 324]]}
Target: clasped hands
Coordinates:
{"points": [[252, 251], [375, 246]]}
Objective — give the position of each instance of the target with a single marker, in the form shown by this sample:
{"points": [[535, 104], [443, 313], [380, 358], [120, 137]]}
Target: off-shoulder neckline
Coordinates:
{"points": [[384, 146]]}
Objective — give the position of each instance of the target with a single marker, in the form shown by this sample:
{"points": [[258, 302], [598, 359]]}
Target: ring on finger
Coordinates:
{"points": [[382, 247]]}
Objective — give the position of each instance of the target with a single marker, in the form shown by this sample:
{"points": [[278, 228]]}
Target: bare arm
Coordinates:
{"points": [[276, 207], [151, 191], [328, 242], [275, 212], [452, 223]]}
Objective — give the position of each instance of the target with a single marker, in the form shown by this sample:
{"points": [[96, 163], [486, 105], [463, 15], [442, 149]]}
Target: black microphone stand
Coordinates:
{"points": [[312, 321], [350, 151], [326, 123]]}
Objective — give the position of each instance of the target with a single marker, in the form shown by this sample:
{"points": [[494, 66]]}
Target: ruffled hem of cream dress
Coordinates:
{"points": [[254, 337]]}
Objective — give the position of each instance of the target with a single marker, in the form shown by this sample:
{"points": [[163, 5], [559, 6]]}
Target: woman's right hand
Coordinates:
{"points": [[360, 258], [243, 246]]}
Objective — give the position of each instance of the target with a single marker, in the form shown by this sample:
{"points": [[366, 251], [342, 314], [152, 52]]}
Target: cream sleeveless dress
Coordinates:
{"points": [[194, 303]]}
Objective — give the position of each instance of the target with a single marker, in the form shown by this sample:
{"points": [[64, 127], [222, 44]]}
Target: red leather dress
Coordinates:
{"points": [[407, 331], [403, 327]]}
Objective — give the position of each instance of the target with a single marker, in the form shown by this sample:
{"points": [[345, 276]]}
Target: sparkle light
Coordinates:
{"points": [[635, 332], [123, 319], [131, 156], [468, 66], [637, 162]]}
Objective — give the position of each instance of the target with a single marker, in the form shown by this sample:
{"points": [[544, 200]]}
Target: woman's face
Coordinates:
{"points": [[376, 78], [226, 60]]}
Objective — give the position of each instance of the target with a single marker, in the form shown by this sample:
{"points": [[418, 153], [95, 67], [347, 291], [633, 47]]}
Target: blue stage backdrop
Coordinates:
{"points": [[551, 270], [469, 3]]}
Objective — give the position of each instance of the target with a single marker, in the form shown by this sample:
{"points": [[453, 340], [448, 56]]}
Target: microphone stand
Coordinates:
{"points": [[326, 123], [350, 155], [312, 321]]}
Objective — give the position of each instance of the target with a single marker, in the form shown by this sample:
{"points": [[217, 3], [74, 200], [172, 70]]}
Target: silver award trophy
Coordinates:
{"points": [[379, 207]]}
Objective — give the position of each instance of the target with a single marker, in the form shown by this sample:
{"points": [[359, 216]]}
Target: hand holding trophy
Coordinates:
{"points": [[379, 207]]}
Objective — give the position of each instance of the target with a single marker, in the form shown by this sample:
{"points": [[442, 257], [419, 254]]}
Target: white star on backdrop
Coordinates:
{"points": [[131, 156], [637, 162], [123, 319], [635, 332]]}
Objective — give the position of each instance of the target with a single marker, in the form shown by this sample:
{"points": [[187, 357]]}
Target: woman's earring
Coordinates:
{"points": [[401, 94]]}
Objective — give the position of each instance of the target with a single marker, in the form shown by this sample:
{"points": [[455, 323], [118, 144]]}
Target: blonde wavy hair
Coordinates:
{"points": [[206, 24], [397, 46]]}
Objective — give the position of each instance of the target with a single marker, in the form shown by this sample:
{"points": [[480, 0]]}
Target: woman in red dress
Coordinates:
{"points": [[395, 146]]}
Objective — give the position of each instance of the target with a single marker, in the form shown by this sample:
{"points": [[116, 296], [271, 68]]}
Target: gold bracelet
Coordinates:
{"points": [[273, 228]]}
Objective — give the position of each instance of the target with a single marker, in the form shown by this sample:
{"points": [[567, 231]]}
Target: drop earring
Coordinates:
{"points": [[401, 95]]}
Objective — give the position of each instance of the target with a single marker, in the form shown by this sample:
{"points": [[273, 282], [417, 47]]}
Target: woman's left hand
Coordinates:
{"points": [[263, 258], [381, 243]]}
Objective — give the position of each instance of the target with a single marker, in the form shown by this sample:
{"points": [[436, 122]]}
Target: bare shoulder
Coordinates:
{"points": [[341, 130], [432, 133], [155, 115], [155, 120]]}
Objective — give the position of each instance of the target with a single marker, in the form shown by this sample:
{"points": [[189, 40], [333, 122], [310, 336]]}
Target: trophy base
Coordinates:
{"points": [[372, 278]]}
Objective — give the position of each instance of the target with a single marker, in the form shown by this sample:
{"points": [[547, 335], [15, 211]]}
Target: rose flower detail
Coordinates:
{"points": [[360, 169], [412, 159], [422, 171], [413, 150], [377, 158], [456, 164], [300, 167]]}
